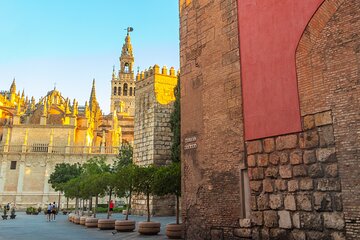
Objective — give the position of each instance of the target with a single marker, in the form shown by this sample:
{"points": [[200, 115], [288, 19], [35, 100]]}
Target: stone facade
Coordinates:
{"points": [[302, 185], [152, 133]]}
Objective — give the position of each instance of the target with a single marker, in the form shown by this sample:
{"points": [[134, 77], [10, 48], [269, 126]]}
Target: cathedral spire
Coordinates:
{"points": [[13, 87], [93, 94]]}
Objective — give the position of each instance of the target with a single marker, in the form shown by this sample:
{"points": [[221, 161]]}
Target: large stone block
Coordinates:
{"points": [[334, 220], [315, 171], [280, 185], [328, 185], [274, 158], [323, 118], [331, 170], [271, 219], [284, 219], [306, 184], [326, 136], [254, 147], [304, 202], [309, 122], [285, 171], [296, 157], [263, 202], [268, 186], [309, 139], [286, 142], [269, 145], [251, 161], [289, 202], [272, 172], [326, 154], [297, 235], [256, 186], [309, 157], [276, 201], [293, 185], [314, 235], [256, 173], [243, 232], [262, 160], [311, 221], [299, 171], [257, 218], [322, 201]]}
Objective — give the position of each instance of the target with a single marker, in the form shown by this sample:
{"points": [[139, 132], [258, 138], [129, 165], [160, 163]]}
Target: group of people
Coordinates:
{"points": [[51, 212]]}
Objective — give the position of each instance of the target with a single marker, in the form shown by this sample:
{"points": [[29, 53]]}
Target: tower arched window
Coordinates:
{"points": [[119, 91], [126, 68], [130, 91], [115, 91], [125, 90]]}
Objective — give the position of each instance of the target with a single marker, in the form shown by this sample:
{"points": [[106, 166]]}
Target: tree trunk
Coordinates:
{"points": [[67, 203], [59, 202], [96, 204], [148, 206], [177, 209], [128, 207], [76, 205], [108, 213], [90, 203]]}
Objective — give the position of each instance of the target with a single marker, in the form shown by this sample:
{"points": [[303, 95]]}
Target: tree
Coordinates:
{"points": [[125, 156], [175, 123], [92, 182], [63, 173], [72, 190], [167, 180], [143, 183], [124, 184]]}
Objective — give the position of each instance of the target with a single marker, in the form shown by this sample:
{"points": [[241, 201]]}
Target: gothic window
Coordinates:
{"points": [[125, 90], [126, 68], [130, 93], [119, 91], [114, 90]]}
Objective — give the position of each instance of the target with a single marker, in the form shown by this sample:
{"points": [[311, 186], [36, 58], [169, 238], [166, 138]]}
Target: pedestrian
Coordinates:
{"points": [[111, 207], [8, 206], [49, 212], [53, 211]]}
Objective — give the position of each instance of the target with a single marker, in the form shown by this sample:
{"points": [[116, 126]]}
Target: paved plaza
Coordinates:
{"points": [[36, 227]]}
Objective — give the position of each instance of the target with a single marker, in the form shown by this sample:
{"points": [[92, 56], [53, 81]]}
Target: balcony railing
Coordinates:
{"points": [[45, 148]]}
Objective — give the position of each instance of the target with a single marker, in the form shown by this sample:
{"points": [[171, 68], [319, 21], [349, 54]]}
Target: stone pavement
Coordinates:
{"points": [[27, 227]]}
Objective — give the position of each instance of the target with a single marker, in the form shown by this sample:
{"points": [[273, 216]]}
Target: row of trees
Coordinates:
{"points": [[96, 178]]}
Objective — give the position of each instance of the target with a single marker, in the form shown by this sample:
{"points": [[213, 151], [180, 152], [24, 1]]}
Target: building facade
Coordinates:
{"points": [[270, 119]]}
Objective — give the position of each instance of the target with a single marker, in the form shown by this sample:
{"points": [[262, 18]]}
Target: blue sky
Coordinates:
{"points": [[70, 42]]}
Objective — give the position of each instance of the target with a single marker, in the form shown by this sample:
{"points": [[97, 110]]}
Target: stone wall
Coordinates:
{"points": [[152, 133], [295, 184]]}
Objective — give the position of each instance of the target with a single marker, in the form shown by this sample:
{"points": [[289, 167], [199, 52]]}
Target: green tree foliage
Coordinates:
{"points": [[124, 183], [63, 173], [175, 122], [125, 156], [144, 183], [167, 180]]}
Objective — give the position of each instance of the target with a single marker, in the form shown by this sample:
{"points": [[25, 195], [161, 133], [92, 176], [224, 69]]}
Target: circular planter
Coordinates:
{"points": [[70, 217], [83, 220], [76, 219], [149, 228], [174, 231], [106, 224], [124, 225], [91, 222]]}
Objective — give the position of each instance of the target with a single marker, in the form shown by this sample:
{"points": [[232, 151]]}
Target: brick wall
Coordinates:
{"points": [[304, 185], [211, 118]]}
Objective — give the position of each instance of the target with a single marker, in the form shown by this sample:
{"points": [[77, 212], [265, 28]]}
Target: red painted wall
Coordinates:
{"points": [[269, 34]]}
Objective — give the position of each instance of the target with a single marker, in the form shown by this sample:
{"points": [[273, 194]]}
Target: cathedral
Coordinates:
{"points": [[36, 135]]}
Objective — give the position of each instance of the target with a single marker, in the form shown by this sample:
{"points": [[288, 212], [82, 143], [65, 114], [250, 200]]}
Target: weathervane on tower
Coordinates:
{"points": [[129, 29]]}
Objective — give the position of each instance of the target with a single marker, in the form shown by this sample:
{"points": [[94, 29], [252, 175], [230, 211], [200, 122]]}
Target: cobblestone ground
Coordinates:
{"points": [[36, 227]]}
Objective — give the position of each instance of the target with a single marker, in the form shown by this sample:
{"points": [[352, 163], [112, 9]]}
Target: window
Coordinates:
{"points": [[13, 165], [119, 91], [125, 89], [126, 68], [114, 90], [130, 93]]}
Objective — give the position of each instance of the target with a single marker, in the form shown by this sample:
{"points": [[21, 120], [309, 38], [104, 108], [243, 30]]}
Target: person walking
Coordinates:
{"points": [[49, 212], [111, 207], [53, 211]]}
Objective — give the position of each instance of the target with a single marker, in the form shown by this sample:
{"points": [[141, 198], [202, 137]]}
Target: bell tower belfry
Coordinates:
{"points": [[123, 83]]}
